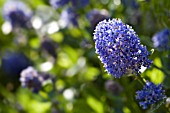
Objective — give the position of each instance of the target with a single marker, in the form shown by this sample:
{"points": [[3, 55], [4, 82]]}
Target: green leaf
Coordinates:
{"points": [[95, 104]]}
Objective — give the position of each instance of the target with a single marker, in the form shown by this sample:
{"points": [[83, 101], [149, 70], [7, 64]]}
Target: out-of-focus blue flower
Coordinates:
{"points": [[58, 3], [113, 87], [150, 94], [14, 63], [31, 79], [49, 46], [69, 16], [34, 80], [161, 40], [79, 3], [95, 16], [17, 13], [119, 48], [135, 5]]}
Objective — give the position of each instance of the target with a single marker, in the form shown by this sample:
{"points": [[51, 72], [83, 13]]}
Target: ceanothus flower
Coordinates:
{"points": [[161, 39], [58, 3], [49, 46], [31, 79], [69, 16], [119, 48], [34, 80], [14, 63], [17, 13], [150, 94]]}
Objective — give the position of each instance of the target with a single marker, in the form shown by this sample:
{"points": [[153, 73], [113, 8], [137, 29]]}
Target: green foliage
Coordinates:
{"points": [[77, 70]]}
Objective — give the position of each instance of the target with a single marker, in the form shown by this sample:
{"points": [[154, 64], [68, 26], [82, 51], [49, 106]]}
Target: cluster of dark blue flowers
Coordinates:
{"points": [[69, 15], [75, 3], [33, 80], [49, 46], [161, 40], [150, 94], [121, 52], [17, 13], [119, 48], [14, 63]]}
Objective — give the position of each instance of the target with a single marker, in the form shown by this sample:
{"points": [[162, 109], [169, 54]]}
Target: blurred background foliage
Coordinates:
{"points": [[65, 49]]}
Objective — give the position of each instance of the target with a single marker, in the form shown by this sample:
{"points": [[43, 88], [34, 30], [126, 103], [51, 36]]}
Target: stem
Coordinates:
{"points": [[141, 80], [161, 69]]}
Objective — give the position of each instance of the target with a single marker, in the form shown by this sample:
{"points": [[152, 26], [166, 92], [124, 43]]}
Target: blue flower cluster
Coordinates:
{"points": [[75, 3], [33, 80], [161, 40], [150, 94], [119, 48], [14, 63], [69, 16], [49, 46], [17, 13]]}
